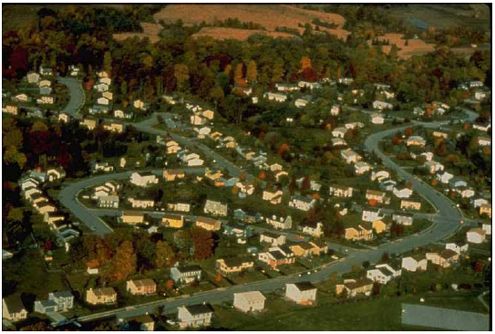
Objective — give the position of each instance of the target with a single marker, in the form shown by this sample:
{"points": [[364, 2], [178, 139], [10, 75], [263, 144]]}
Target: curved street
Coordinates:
{"points": [[76, 96], [445, 223]]}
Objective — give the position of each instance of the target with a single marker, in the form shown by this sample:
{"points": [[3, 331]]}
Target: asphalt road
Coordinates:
{"points": [[76, 94], [445, 223]]}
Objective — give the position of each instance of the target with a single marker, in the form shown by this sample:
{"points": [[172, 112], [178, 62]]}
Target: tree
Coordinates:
{"points": [[202, 243], [409, 132], [251, 72], [123, 263], [164, 254], [107, 62], [181, 74], [169, 284], [239, 75], [305, 63]]}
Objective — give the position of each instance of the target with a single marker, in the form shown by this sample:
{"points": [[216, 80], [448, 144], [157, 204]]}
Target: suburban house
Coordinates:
{"points": [[277, 97], [402, 219], [233, 265], [379, 226], [60, 301], [350, 156], [172, 220], [312, 228], [179, 207], [457, 248], [416, 141], [144, 286], [485, 209], [285, 87], [280, 223], [173, 174], [378, 196], [142, 322], [381, 105], [208, 224], [338, 142], [340, 191], [102, 167], [172, 147], [476, 235], [361, 167], [276, 256], [101, 296], [354, 287], [382, 273], [10, 109], [54, 174], [13, 309], [444, 258], [371, 216], [251, 301], [339, 132], [114, 127], [131, 218], [194, 316], [272, 238], [274, 197], [433, 167], [377, 118], [108, 201], [185, 274], [402, 193], [363, 231], [215, 208], [305, 249], [303, 293], [414, 263], [335, 110], [301, 202], [404, 204], [143, 180], [141, 203]]}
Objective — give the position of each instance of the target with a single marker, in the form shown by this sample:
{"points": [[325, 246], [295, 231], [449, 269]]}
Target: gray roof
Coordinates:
{"points": [[199, 309], [302, 286]]}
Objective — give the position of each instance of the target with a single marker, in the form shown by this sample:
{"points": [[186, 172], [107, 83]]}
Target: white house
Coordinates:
{"points": [[476, 235], [377, 119], [381, 105], [194, 316], [143, 180], [382, 273], [303, 293], [457, 248], [277, 97], [339, 132], [416, 141], [414, 263], [301, 202], [401, 219], [371, 216], [350, 156], [215, 208], [445, 177], [251, 301], [361, 167], [279, 223], [402, 193]]}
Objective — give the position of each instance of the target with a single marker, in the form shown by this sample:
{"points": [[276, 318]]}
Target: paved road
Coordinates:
{"points": [[77, 96]]}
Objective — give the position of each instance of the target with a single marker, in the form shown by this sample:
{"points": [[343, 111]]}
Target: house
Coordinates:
{"points": [[10, 109], [282, 87], [122, 114], [45, 100], [377, 119], [172, 147], [457, 248], [22, 98], [404, 204], [310, 85], [143, 180], [363, 231], [445, 177], [141, 203], [173, 174], [180, 207], [414, 263], [274, 197], [114, 127], [131, 218], [108, 201], [60, 301], [143, 323], [339, 132], [301, 103], [350, 156], [102, 167], [192, 160], [279, 223], [194, 316], [485, 209], [457, 182], [103, 101], [303, 293], [272, 238], [33, 77], [476, 235], [251, 301], [427, 155], [338, 142], [215, 208], [13, 309], [484, 141], [314, 229], [444, 259], [276, 256], [379, 226], [101, 296], [482, 127], [340, 191], [353, 287], [302, 203], [138, 104], [144, 286], [54, 174], [433, 167], [465, 192], [440, 134], [208, 224], [89, 123], [378, 196], [479, 95], [416, 141], [382, 273], [185, 274], [371, 216], [402, 193], [46, 71], [233, 265], [277, 97], [172, 220], [381, 105], [402, 219]]}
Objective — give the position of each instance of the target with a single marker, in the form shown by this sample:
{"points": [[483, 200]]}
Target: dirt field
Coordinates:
{"points": [[269, 16], [150, 30], [413, 47], [238, 34]]}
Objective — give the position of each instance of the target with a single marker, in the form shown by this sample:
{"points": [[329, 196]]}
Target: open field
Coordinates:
{"points": [[150, 30], [222, 33], [407, 47]]}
